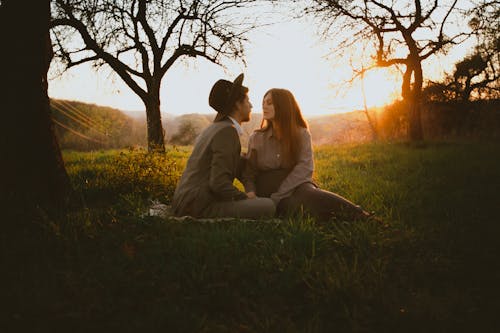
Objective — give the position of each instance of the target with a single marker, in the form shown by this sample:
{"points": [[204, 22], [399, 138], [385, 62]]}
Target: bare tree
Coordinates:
{"points": [[140, 40], [33, 172], [402, 33], [477, 75], [485, 61], [486, 20]]}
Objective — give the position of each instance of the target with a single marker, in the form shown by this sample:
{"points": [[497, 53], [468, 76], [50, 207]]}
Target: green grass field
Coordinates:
{"points": [[432, 266]]}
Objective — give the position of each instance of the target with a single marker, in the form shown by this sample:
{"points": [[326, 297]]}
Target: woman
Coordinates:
{"points": [[280, 163]]}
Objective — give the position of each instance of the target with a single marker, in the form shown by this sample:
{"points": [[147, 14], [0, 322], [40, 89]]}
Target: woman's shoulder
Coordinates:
{"points": [[260, 132], [258, 137], [304, 132]]}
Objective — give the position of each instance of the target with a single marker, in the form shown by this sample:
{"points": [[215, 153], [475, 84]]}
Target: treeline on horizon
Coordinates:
{"points": [[84, 127]]}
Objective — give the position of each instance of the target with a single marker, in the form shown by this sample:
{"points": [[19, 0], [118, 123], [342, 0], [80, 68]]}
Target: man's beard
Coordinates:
{"points": [[246, 118]]}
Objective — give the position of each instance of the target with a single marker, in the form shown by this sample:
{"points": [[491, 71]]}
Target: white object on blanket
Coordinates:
{"points": [[165, 211], [159, 209]]}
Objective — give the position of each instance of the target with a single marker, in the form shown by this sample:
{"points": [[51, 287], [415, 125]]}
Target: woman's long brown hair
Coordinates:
{"points": [[287, 123]]}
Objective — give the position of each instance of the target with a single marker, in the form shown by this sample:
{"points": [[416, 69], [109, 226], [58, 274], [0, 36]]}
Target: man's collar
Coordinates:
{"points": [[236, 125]]}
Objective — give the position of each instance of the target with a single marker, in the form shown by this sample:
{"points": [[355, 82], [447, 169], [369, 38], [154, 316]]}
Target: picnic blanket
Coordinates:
{"points": [[165, 211]]}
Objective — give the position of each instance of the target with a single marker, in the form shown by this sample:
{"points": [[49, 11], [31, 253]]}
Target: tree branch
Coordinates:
{"points": [[119, 67], [444, 20], [141, 17], [171, 28], [138, 44], [81, 61]]}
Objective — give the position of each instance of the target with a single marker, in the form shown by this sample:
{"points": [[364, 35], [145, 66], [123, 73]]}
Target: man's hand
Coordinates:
{"points": [[251, 195]]}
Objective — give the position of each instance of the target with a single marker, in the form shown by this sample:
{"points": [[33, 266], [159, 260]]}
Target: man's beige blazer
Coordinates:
{"points": [[210, 171]]}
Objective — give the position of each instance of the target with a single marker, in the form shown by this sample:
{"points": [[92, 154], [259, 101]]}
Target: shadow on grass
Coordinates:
{"points": [[433, 268]]}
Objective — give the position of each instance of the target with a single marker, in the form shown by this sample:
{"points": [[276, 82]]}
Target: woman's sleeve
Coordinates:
{"points": [[250, 170], [301, 173]]}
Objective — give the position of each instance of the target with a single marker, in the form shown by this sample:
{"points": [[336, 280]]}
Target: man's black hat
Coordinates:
{"points": [[223, 96]]}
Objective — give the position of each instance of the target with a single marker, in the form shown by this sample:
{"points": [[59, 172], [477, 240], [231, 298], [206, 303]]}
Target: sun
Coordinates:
{"points": [[381, 87]]}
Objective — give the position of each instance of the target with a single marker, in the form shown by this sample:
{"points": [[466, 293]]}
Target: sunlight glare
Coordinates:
{"points": [[381, 87]]}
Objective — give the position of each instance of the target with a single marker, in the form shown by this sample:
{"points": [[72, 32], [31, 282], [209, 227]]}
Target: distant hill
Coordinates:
{"points": [[330, 129], [135, 114], [84, 126], [340, 128]]}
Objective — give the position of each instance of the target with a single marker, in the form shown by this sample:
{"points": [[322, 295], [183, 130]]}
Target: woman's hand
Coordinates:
{"points": [[251, 195]]}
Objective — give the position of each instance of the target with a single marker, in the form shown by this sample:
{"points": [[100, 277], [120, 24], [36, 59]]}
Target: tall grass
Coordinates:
{"points": [[431, 266], [111, 176]]}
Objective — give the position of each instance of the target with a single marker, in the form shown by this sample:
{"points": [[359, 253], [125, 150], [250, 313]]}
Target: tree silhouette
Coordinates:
{"points": [[403, 33], [33, 172], [485, 21], [474, 78], [473, 74], [477, 75], [140, 40]]}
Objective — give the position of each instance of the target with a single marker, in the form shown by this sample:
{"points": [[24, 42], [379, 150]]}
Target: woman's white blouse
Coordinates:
{"points": [[264, 153]]}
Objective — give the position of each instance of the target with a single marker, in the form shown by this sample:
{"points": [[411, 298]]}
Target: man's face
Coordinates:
{"points": [[244, 108]]}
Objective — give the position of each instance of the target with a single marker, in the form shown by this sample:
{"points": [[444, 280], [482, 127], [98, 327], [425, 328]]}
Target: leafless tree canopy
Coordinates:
{"points": [[141, 39], [484, 63], [399, 32], [394, 28]]}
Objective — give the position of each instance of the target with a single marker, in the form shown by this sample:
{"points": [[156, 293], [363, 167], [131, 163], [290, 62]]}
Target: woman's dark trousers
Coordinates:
{"points": [[320, 204]]}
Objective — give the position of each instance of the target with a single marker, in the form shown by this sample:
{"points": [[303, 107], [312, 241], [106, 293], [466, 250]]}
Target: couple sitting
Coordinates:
{"points": [[276, 171]]}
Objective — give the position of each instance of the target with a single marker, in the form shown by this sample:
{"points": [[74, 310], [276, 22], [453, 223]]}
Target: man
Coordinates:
{"points": [[206, 187]]}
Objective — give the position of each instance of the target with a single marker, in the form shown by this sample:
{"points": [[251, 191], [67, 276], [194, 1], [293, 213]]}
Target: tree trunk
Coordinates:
{"points": [[34, 173], [156, 134], [465, 95], [412, 98], [415, 131]]}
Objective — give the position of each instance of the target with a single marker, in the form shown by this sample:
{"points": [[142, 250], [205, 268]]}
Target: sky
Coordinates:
{"points": [[288, 54]]}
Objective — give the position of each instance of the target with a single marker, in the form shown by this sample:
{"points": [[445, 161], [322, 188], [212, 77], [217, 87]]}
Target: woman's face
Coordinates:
{"points": [[268, 107]]}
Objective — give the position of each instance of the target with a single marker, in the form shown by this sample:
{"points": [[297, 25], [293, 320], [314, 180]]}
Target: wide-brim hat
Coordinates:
{"points": [[224, 94]]}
